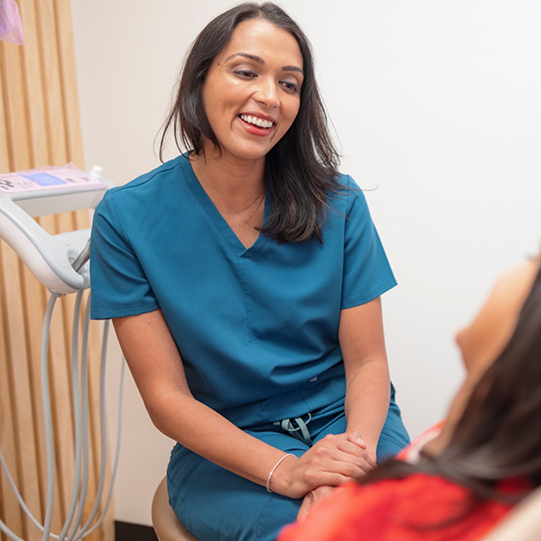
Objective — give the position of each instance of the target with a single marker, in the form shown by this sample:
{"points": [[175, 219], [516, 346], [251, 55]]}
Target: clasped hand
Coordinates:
{"points": [[332, 461]]}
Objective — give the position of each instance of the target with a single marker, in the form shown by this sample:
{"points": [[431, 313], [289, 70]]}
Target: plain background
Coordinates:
{"points": [[437, 113]]}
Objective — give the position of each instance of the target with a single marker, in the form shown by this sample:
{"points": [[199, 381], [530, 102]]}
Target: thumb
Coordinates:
{"points": [[305, 508]]}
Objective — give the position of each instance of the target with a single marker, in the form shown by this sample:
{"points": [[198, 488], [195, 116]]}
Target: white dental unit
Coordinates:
{"points": [[60, 263]]}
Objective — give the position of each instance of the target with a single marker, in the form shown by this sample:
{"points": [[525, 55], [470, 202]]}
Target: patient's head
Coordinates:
{"points": [[492, 432], [484, 339], [486, 336], [497, 435]]}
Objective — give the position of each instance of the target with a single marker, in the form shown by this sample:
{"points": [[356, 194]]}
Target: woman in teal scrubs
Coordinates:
{"points": [[244, 280]]}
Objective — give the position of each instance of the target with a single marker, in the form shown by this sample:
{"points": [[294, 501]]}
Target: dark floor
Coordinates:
{"points": [[126, 531]]}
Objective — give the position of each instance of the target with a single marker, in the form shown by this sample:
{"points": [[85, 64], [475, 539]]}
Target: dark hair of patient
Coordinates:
{"points": [[498, 436], [301, 169]]}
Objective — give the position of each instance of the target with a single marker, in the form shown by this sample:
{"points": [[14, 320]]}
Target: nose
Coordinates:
{"points": [[459, 337], [267, 93]]}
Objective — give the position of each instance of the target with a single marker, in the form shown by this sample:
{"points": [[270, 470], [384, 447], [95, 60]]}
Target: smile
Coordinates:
{"points": [[259, 122]]}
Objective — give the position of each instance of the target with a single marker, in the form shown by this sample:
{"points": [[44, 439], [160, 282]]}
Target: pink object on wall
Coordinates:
{"points": [[11, 28]]}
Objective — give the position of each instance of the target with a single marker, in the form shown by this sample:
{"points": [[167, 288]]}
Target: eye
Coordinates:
{"points": [[245, 73], [290, 86]]}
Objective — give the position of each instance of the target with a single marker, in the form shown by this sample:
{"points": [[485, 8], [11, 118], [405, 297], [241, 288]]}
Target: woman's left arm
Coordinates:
{"points": [[360, 334]]}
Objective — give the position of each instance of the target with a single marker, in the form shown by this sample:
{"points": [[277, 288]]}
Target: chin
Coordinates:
{"points": [[249, 154]]}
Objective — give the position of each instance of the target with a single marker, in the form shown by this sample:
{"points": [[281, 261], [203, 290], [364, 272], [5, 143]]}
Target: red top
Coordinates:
{"points": [[398, 510]]}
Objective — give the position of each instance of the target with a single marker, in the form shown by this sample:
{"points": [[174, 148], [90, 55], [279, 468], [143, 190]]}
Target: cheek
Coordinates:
{"points": [[295, 107], [477, 344], [290, 105], [207, 104], [481, 342], [289, 114]]}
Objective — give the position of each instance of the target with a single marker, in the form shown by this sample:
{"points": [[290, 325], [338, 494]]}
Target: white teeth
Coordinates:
{"points": [[256, 121]]}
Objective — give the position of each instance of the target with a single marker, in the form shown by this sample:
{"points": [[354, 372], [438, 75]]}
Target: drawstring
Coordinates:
{"points": [[287, 425]]}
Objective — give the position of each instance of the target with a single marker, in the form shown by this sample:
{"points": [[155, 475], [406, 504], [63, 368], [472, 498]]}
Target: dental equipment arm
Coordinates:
{"points": [[28, 194], [59, 262]]}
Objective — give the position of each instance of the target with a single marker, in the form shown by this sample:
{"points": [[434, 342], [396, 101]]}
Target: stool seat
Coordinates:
{"points": [[165, 522]]}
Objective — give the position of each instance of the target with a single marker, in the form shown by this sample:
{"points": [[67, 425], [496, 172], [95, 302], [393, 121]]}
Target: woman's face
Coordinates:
{"points": [[486, 336], [251, 93]]}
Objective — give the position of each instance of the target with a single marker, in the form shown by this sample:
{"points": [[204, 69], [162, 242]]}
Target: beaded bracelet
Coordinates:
{"points": [[274, 469]]}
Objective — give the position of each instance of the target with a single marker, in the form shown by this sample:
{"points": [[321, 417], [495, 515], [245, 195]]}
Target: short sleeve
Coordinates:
{"points": [[119, 285], [367, 273]]}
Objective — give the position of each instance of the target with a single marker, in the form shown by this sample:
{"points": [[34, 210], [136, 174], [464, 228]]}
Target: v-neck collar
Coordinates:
{"points": [[216, 217]]}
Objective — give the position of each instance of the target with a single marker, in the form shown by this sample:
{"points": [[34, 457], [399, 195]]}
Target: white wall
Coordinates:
{"points": [[436, 103]]}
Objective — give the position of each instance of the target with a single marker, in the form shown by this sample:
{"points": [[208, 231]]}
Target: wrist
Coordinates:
{"points": [[277, 480]]}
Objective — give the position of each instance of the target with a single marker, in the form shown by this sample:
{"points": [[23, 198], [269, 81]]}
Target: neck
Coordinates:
{"points": [[232, 184], [436, 445]]}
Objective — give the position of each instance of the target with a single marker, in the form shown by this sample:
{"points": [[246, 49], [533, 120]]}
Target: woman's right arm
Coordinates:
{"points": [[156, 365]]}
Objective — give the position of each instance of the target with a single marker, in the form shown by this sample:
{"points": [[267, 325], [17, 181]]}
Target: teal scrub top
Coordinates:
{"points": [[257, 328]]}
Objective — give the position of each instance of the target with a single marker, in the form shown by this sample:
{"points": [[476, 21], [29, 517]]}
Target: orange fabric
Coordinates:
{"points": [[397, 510], [411, 452]]}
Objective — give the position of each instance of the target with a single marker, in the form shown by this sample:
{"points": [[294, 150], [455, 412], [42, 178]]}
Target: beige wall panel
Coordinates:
{"points": [[14, 107], [33, 292], [17, 130], [8, 503], [34, 98], [4, 142], [68, 77], [61, 331], [20, 386], [52, 90], [40, 125]]}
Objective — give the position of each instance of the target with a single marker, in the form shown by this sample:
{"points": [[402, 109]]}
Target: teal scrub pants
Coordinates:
{"points": [[217, 505]]}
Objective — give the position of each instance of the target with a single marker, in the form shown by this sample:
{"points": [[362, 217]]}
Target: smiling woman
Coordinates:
{"points": [[252, 98], [301, 168], [246, 298]]}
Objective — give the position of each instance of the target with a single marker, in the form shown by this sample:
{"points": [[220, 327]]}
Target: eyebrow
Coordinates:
{"points": [[259, 60]]}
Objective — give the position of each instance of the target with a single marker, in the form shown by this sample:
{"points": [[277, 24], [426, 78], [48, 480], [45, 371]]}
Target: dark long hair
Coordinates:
{"points": [[498, 435], [301, 169]]}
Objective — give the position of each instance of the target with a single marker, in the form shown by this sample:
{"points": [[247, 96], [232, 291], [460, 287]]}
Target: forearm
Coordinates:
{"points": [[367, 400], [158, 371], [330, 462], [209, 434], [367, 375]]}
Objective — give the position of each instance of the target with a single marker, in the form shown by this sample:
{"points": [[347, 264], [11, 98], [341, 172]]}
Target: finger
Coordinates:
{"points": [[371, 460], [305, 507], [352, 466], [355, 437], [321, 492], [338, 472], [346, 443], [351, 450], [368, 465], [355, 471], [333, 456], [366, 462], [335, 475], [365, 455]]}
